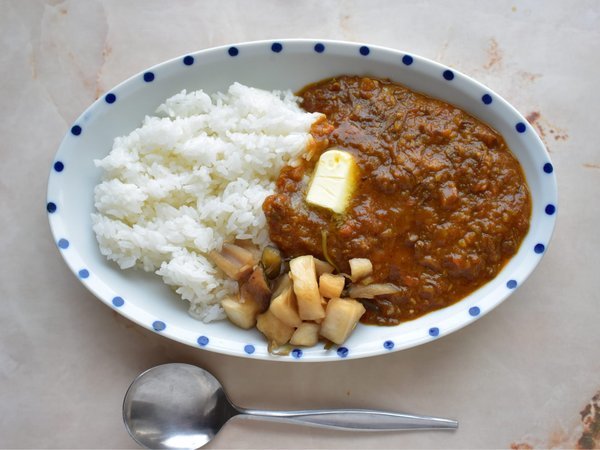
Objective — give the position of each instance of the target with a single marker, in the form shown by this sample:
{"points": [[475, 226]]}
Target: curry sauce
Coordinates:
{"points": [[440, 206]]}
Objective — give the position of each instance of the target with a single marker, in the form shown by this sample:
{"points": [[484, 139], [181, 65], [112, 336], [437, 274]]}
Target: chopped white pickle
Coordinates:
{"points": [[242, 314], [331, 286], [304, 277], [341, 318], [334, 181], [285, 307], [301, 304], [360, 268], [274, 329], [307, 334], [323, 267]]}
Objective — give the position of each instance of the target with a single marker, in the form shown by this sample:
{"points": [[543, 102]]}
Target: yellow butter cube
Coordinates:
{"points": [[334, 181]]}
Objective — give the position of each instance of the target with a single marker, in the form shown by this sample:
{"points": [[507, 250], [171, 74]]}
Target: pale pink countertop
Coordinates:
{"points": [[519, 376]]}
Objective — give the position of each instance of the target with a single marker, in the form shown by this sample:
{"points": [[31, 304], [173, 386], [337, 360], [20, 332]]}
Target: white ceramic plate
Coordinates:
{"points": [[282, 64]]}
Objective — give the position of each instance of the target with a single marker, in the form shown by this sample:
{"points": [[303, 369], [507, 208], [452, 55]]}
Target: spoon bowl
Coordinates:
{"points": [[183, 406], [175, 406]]}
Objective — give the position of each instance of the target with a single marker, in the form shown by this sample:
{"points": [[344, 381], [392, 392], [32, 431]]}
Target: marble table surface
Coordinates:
{"points": [[519, 377]]}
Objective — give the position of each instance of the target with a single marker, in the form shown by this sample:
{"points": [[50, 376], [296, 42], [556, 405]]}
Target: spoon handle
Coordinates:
{"points": [[355, 419]]}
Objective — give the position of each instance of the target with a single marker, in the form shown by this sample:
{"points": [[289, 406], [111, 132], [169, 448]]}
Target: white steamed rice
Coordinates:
{"points": [[193, 177]]}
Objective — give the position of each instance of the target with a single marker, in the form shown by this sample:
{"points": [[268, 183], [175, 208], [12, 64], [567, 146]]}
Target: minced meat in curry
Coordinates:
{"points": [[440, 207]]}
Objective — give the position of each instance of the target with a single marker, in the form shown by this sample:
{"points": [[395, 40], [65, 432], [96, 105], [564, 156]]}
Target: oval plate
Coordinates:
{"points": [[281, 64]]}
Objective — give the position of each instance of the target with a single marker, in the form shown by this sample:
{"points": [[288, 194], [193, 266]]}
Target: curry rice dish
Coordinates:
{"points": [[383, 204]]}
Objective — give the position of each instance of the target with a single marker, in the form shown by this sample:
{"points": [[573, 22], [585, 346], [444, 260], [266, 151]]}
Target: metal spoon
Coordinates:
{"points": [[184, 406]]}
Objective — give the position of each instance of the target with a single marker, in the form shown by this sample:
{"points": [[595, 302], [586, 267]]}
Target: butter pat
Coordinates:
{"points": [[334, 181]]}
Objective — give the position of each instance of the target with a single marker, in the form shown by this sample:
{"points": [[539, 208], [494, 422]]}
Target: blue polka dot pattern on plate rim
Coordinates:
{"points": [[435, 331], [539, 248], [486, 99], [83, 274], [297, 353], [474, 311], [118, 301], [548, 168], [202, 341], [75, 130], [159, 325], [249, 349], [148, 77], [407, 60], [188, 60], [550, 209], [319, 48], [342, 352], [520, 127], [63, 243], [233, 51], [110, 98], [448, 75], [59, 166], [276, 47], [51, 207], [364, 50], [388, 345], [511, 284]]}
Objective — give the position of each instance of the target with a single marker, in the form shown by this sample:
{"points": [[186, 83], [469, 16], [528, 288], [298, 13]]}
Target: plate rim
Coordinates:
{"points": [[135, 314]]}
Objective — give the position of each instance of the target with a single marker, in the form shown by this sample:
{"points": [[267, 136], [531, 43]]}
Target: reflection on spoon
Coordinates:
{"points": [[184, 406]]}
